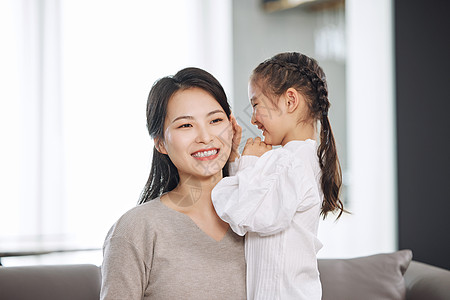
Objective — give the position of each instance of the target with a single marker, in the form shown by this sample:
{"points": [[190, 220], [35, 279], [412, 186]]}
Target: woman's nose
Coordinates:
{"points": [[204, 136]]}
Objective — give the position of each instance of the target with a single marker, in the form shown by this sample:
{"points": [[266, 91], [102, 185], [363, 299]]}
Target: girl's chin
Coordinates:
{"points": [[267, 140]]}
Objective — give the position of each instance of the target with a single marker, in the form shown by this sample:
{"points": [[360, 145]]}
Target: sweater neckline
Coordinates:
{"points": [[192, 222]]}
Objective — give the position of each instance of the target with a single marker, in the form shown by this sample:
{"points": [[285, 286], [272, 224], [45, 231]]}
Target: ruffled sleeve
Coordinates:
{"points": [[265, 193], [241, 163]]}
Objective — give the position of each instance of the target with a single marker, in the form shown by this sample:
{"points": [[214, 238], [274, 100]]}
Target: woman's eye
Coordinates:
{"points": [[254, 105], [217, 120], [185, 126]]}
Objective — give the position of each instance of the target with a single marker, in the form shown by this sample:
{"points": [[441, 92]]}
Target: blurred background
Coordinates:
{"points": [[75, 76]]}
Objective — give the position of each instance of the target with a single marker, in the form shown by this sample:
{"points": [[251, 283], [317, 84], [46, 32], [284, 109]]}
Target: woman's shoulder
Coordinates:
{"points": [[148, 210], [143, 217]]}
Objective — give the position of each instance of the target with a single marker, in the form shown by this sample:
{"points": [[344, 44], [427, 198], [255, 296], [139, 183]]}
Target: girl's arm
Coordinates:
{"points": [[264, 196], [254, 148]]}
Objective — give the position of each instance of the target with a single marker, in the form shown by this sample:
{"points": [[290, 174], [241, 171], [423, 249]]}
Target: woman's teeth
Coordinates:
{"points": [[205, 153]]}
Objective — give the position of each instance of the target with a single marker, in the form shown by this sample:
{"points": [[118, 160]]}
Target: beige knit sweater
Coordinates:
{"points": [[154, 252]]}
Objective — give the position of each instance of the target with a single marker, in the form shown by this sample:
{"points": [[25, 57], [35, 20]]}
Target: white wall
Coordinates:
{"points": [[371, 125]]}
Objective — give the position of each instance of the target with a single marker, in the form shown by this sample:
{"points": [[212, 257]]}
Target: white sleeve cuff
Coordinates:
{"points": [[233, 167], [246, 161]]}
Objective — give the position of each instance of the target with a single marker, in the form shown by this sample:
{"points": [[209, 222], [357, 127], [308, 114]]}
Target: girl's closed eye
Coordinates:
{"points": [[218, 120]]}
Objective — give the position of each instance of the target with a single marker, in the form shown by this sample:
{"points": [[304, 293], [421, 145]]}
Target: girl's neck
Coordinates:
{"points": [[301, 132]]}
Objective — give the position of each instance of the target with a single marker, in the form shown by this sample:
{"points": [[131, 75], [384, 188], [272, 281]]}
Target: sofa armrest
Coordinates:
{"points": [[69, 282], [424, 281]]}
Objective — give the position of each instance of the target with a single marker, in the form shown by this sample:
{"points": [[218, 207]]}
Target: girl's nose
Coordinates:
{"points": [[253, 120]]}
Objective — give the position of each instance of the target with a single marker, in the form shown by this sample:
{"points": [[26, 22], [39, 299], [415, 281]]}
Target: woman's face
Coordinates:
{"points": [[197, 133]]}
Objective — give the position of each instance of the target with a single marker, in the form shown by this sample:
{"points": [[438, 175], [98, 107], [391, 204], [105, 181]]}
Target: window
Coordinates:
{"points": [[77, 153]]}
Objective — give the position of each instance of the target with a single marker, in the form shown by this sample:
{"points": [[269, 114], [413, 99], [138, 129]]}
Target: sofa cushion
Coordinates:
{"points": [[424, 281], [374, 277], [68, 282]]}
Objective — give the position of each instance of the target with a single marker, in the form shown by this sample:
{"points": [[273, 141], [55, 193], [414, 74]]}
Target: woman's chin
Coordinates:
{"points": [[208, 170]]}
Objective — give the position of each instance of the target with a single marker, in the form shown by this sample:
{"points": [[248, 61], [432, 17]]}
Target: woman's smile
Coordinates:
{"points": [[206, 154]]}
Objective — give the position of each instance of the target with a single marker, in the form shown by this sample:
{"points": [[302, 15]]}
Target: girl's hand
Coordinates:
{"points": [[256, 147], [237, 135]]}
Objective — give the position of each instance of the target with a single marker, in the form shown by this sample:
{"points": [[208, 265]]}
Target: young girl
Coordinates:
{"points": [[277, 196], [173, 245]]}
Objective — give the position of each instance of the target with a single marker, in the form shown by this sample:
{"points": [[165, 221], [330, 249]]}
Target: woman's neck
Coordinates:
{"points": [[193, 193], [192, 197]]}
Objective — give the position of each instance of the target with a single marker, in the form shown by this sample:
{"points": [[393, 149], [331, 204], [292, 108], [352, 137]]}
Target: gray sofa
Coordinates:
{"points": [[382, 276]]}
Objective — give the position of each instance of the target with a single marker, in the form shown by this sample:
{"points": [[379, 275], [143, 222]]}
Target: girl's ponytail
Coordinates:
{"points": [[331, 180]]}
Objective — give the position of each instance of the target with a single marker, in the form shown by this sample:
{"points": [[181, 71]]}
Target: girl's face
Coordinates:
{"points": [[197, 133], [267, 115]]}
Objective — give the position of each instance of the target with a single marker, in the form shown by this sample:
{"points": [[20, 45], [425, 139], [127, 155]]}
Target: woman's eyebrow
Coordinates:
{"points": [[215, 112], [182, 117], [191, 117]]}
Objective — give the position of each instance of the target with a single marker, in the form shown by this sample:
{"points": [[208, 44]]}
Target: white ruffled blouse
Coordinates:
{"points": [[275, 200]]}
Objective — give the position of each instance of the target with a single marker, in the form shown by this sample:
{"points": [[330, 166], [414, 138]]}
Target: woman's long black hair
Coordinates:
{"points": [[163, 174], [292, 69]]}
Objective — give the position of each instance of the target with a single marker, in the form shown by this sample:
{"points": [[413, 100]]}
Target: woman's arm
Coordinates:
{"points": [[123, 270]]}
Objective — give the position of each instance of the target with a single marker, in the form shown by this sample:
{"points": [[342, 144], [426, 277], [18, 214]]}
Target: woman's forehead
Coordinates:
{"points": [[193, 102]]}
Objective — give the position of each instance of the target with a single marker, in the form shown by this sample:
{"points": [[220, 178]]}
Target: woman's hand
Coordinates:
{"points": [[256, 147], [237, 135]]}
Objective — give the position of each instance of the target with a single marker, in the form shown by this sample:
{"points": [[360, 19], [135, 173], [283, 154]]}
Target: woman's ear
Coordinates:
{"points": [[292, 99], [159, 145]]}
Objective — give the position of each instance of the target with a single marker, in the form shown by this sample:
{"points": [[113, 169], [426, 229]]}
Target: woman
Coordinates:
{"points": [[173, 245]]}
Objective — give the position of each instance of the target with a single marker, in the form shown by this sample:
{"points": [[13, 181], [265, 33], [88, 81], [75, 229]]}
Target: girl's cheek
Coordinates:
{"points": [[259, 116], [261, 110]]}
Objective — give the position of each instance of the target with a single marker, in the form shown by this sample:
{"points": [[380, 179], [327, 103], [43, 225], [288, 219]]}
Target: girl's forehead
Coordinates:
{"points": [[255, 87], [255, 92], [252, 85]]}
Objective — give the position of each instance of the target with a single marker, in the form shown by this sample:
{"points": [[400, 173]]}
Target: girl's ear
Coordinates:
{"points": [[159, 145], [292, 99]]}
